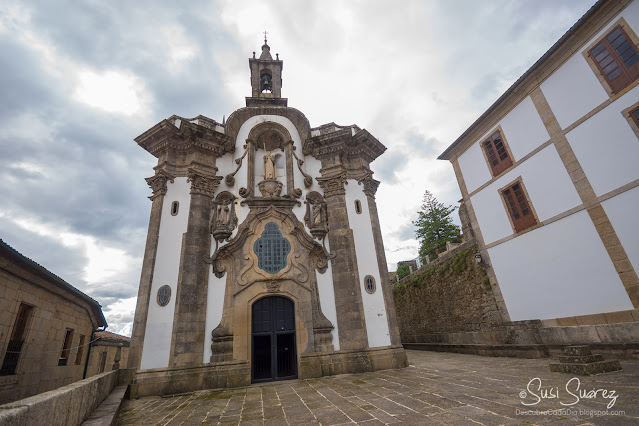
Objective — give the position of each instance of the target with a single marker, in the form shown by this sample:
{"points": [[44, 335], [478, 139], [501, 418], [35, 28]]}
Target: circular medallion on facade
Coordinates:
{"points": [[369, 284], [164, 295]]}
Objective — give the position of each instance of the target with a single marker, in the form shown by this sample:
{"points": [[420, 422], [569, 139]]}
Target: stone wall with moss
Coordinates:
{"points": [[450, 297]]}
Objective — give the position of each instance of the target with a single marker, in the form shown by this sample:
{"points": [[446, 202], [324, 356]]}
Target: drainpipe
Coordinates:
{"points": [[86, 363]]}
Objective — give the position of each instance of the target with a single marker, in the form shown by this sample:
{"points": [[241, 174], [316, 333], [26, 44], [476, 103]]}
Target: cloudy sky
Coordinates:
{"points": [[80, 79]]}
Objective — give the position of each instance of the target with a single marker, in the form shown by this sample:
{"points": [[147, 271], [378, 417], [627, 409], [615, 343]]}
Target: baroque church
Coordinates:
{"points": [[264, 257]]}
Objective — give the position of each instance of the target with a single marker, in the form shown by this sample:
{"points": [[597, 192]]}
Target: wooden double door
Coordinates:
{"points": [[273, 340]]}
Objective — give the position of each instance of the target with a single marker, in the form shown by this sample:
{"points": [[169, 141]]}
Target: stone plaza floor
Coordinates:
{"points": [[437, 388]]}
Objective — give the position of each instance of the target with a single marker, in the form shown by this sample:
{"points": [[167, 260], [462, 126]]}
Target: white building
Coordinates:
{"points": [[550, 177], [264, 256]]}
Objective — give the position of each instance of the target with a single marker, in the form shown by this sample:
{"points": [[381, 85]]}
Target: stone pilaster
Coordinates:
{"points": [[158, 185], [188, 339], [290, 181], [370, 188], [348, 298], [250, 181]]}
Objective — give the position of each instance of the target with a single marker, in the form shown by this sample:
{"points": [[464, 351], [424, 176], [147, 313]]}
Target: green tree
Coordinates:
{"points": [[402, 271], [434, 227]]}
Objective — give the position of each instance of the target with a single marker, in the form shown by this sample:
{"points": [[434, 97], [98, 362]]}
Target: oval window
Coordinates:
{"points": [[175, 206], [369, 284], [164, 295], [358, 207]]}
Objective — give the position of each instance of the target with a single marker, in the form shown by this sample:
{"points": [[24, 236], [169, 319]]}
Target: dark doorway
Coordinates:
{"points": [[273, 332]]}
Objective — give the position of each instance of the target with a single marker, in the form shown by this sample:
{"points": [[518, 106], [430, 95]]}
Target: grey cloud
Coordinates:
{"points": [[387, 166], [421, 145], [406, 231]]}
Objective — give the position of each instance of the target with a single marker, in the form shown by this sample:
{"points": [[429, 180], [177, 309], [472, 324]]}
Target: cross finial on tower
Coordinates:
{"points": [[265, 37]]}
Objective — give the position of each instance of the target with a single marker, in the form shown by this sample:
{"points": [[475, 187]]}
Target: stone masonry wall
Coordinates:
{"points": [[38, 370], [450, 296]]}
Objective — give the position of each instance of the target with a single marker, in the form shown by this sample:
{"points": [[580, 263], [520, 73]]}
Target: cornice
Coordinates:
{"points": [[187, 136], [345, 142]]}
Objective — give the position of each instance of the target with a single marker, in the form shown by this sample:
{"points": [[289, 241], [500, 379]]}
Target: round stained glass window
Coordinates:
{"points": [[369, 284], [164, 295]]}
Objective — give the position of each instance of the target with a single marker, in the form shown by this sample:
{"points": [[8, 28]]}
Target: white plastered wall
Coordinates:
{"points": [[606, 146], [622, 212], [523, 130], [159, 324], [574, 90], [548, 185], [558, 270], [374, 307]]}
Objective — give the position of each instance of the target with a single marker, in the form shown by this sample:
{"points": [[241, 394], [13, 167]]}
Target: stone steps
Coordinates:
{"points": [[107, 412], [581, 361]]}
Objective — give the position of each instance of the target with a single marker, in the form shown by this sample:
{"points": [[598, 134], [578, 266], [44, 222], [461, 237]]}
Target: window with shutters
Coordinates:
{"points": [[66, 347], [632, 115], [14, 348], [616, 58], [78, 355], [497, 153], [518, 206]]}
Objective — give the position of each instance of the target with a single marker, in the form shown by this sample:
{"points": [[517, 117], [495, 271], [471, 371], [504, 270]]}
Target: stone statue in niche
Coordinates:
{"points": [[316, 215], [224, 219], [270, 170]]}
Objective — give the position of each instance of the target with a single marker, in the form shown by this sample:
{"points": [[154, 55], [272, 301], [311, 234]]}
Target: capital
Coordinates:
{"points": [[333, 185], [158, 183], [203, 184]]}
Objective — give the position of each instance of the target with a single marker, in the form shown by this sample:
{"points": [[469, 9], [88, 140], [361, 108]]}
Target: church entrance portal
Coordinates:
{"points": [[273, 333]]}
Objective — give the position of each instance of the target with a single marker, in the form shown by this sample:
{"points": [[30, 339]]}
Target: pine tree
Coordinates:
{"points": [[434, 227]]}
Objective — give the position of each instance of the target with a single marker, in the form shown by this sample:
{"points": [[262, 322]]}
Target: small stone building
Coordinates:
{"points": [[550, 183], [108, 350], [45, 328], [264, 257]]}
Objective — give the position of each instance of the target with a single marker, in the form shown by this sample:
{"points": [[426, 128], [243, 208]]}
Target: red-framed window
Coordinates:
{"points": [[617, 58], [497, 153], [518, 207]]}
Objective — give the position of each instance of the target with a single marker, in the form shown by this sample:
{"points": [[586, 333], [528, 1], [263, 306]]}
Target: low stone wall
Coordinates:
{"points": [[451, 294], [68, 405], [448, 305], [176, 380]]}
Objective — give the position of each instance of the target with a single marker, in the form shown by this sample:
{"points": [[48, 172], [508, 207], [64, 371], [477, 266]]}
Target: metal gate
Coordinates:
{"points": [[273, 340]]}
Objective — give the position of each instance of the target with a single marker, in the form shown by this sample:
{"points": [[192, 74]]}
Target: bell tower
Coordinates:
{"points": [[266, 79]]}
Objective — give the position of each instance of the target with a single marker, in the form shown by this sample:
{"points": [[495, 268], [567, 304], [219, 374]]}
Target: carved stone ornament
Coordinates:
{"points": [[201, 184], [230, 178], [370, 184], [316, 217], [333, 185], [224, 219], [308, 180], [158, 183], [273, 286], [270, 188], [237, 256]]}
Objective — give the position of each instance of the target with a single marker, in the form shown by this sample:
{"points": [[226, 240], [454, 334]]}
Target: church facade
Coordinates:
{"points": [[264, 257]]}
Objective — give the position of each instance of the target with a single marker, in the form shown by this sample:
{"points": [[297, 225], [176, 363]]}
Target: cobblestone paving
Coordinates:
{"points": [[437, 388]]}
